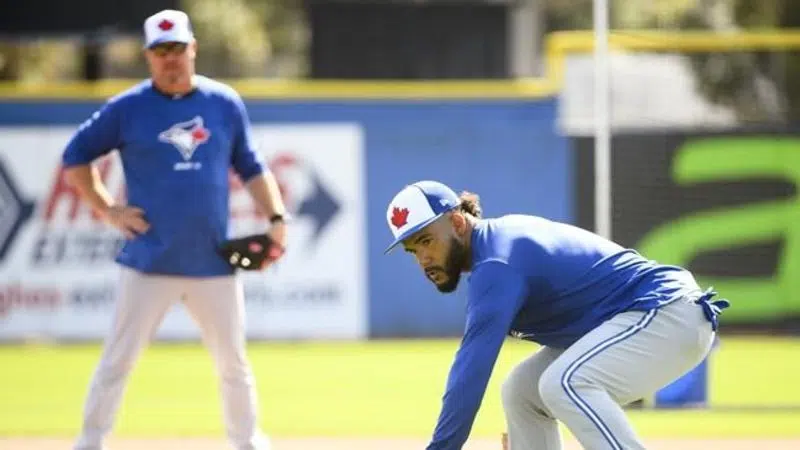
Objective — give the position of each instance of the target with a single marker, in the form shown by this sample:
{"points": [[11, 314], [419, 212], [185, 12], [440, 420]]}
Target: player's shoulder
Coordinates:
{"points": [[511, 228], [517, 222], [138, 90], [513, 239], [217, 89], [127, 99], [490, 272]]}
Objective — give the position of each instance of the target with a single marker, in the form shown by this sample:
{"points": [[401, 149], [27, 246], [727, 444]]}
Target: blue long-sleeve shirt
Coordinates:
{"points": [[545, 282], [176, 153]]}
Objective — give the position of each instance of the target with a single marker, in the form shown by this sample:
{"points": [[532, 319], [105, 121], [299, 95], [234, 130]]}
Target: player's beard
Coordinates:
{"points": [[453, 266]]}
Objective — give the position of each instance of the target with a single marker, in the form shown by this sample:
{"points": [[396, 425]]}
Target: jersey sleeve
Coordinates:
{"points": [[95, 137], [495, 295], [245, 159]]}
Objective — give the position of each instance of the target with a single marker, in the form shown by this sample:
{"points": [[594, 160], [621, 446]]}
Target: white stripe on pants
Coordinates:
{"points": [[217, 305], [627, 358]]}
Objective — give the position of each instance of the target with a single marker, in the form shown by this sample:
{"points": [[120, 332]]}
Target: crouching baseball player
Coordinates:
{"points": [[613, 326]]}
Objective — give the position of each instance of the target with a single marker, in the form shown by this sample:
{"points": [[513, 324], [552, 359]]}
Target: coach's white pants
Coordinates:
{"points": [[217, 305], [627, 358]]}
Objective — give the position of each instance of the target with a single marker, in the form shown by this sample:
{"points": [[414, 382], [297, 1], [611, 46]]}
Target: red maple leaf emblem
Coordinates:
{"points": [[166, 25], [399, 217]]}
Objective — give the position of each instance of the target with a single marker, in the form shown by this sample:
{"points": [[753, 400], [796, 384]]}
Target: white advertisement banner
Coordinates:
{"points": [[58, 278]]}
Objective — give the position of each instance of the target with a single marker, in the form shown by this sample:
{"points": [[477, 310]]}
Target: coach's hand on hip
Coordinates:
{"points": [[128, 219]]}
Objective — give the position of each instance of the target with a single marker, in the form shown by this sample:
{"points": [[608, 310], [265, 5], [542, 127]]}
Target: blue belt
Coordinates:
{"points": [[712, 309]]}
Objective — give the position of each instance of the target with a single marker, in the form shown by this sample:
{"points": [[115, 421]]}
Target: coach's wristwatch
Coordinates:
{"points": [[278, 218]]}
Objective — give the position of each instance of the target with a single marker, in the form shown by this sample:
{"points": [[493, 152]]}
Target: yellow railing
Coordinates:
{"points": [[557, 47]]}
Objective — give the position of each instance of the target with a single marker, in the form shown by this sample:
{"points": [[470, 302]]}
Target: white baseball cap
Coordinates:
{"points": [[416, 206], [168, 25]]}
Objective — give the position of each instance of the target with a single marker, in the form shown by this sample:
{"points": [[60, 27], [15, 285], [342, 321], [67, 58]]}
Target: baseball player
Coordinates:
{"points": [[178, 135], [613, 326]]}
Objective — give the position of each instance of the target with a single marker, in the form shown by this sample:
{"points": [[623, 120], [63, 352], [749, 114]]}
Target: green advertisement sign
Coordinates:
{"points": [[733, 159], [674, 202]]}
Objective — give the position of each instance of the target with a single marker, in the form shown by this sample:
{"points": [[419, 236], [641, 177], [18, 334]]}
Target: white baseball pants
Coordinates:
{"points": [[217, 305]]}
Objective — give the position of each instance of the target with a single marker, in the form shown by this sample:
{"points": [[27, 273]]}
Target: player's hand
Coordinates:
{"points": [[278, 234], [128, 219]]}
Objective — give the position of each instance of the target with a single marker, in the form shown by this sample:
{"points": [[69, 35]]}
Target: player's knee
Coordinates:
{"points": [[510, 393], [520, 387], [114, 370], [233, 367], [551, 388], [520, 397]]}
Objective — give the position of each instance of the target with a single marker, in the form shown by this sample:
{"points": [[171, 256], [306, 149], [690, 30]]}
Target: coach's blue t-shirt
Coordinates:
{"points": [[176, 154], [546, 282]]}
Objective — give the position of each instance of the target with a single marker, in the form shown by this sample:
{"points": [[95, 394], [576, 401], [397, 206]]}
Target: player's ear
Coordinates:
{"points": [[459, 222], [193, 48]]}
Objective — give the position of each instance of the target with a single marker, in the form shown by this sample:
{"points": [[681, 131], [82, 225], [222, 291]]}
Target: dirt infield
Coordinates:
{"points": [[379, 444]]}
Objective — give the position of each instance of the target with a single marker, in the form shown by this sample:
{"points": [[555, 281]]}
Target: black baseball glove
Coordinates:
{"points": [[252, 252]]}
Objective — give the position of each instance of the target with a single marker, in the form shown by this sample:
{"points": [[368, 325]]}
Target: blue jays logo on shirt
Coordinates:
{"points": [[186, 137]]}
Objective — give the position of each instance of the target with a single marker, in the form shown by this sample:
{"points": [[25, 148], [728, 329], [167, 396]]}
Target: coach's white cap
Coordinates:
{"points": [[168, 25], [416, 206]]}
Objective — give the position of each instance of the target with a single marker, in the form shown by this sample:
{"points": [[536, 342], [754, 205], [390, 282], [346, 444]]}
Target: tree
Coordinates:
{"points": [[758, 86], [256, 38], [753, 84]]}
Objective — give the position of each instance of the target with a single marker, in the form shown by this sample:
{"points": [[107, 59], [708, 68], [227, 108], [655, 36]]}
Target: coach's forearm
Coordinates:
{"points": [[87, 182], [266, 194]]}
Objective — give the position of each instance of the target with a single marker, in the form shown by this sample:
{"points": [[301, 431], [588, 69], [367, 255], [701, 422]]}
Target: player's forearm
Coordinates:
{"points": [[266, 194], [489, 317], [460, 406], [466, 386], [87, 182]]}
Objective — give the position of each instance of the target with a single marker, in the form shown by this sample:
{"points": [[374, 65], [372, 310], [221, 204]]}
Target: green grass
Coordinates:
{"points": [[388, 388]]}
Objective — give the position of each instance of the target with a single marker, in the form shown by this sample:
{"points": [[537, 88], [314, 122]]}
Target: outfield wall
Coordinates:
{"points": [[721, 203], [340, 162], [342, 149]]}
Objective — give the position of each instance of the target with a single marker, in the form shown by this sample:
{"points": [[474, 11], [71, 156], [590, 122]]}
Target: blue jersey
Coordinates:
{"points": [[546, 282], [176, 154]]}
